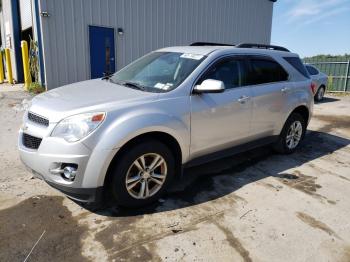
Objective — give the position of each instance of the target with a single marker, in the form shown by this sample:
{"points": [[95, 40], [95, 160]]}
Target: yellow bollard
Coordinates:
{"points": [[26, 71], [8, 65], [1, 69]]}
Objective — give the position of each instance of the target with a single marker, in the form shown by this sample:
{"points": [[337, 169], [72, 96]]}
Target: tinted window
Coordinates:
{"points": [[232, 72], [312, 71], [266, 71], [298, 65]]}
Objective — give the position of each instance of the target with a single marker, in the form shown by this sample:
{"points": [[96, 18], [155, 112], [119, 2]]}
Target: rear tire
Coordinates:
{"points": [[135, 182], [291, 135], [320, 94]]}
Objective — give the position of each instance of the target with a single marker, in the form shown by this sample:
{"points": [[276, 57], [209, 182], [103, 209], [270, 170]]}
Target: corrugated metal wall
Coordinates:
{"points": [[147, 25]]}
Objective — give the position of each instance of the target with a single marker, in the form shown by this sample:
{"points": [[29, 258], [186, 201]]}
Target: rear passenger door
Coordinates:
{"points": [[270, 88]]}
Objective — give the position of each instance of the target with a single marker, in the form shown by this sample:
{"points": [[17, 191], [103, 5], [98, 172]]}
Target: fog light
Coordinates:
{"points": [[69, 173]]}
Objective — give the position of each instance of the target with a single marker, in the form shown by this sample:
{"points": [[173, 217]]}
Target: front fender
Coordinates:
{"points": [[127, 127]]}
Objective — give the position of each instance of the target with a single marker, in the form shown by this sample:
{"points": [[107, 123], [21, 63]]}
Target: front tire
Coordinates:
{"points": [[292, 134], [142, 174]]}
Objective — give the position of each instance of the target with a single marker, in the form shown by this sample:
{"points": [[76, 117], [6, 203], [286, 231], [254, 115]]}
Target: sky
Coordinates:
{"points": [[312, 27]]}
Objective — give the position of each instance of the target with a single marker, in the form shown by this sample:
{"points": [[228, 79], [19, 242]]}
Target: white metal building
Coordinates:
{"points": [[81, 39]]}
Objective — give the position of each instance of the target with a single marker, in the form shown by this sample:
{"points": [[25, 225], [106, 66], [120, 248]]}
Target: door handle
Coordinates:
{"points": [[243, 99], [285, 89]]}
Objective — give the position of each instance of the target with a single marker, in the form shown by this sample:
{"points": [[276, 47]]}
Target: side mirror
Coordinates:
{"points": [[209, 86]]}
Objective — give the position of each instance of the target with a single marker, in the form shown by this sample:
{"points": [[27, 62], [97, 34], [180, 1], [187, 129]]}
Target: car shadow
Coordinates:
{"points": [[225, 176], [327, 100]]}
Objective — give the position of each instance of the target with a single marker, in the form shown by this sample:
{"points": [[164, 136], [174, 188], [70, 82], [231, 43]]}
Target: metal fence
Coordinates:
{"points": [[337, 71]]}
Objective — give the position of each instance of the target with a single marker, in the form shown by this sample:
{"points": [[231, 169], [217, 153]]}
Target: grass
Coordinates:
{"points": [[338, 93], [36, 88]]}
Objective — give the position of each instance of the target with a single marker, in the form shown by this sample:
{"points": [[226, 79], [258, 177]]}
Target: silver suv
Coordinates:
{"points": [[133, 132]]}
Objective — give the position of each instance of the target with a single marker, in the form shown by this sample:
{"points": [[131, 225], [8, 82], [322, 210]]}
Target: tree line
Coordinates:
{"points": [[328, 58]]}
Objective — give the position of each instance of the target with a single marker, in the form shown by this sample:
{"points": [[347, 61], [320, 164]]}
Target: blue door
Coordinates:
{"points": [[102, 51]]}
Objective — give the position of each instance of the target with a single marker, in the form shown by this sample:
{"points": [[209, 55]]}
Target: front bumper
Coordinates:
{"points": [[51, 154], [89, 195]]}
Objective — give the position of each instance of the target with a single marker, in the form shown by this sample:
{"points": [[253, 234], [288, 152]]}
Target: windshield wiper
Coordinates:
{"points": [[134, 85], [129, 84], [106, 76]]}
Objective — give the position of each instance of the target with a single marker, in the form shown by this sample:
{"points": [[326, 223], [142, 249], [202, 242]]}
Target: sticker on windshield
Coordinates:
{"points": [[167, 86], [192, 56], [159, 85], [163, 86]]}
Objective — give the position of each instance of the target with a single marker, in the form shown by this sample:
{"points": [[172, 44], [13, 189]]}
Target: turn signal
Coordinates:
{"points": [[98, 118]]}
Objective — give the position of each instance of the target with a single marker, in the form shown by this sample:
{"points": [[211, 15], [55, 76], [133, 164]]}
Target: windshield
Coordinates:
{"points": [[158, 71]]}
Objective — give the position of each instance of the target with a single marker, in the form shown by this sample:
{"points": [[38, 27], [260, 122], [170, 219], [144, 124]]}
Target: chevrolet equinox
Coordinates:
{"points": [[132, 132]]}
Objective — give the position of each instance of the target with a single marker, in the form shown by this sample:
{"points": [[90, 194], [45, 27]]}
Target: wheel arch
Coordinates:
{"points": [[167, 139], [303, 110]]}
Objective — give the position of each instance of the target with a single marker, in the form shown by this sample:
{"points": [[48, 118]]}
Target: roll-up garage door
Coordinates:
{"points": [[25, 8]]}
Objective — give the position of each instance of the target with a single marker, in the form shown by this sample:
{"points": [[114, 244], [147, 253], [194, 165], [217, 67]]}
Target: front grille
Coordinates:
{"points": [[38, 119], [31, 142]]}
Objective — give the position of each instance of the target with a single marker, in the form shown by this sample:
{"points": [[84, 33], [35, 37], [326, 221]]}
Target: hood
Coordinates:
{"points": [[86, 96]]}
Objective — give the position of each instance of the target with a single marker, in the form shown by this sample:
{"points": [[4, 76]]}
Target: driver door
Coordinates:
{"points": [[221, 120]]}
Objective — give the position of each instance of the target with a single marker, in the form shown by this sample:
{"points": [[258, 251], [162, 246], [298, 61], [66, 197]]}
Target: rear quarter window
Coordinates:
{"points": [[298, 65]]}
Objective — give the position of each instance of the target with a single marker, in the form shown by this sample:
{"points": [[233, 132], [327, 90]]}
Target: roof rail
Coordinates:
{"points": [[261, 46], [208, 44]]}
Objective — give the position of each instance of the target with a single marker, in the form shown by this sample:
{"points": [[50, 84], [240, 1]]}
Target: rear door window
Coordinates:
{"points": [[298, 65], [266, 71]]}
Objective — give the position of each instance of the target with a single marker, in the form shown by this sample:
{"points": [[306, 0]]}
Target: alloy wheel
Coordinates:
{"points": [[294, 134], [146, 176]]}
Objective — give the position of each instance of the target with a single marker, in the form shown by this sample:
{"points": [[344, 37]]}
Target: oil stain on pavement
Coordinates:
{"points": [[339, 121], [313, 222], [235, 243], [23, 224], [118, 237], [303, 183], [299, 181]]}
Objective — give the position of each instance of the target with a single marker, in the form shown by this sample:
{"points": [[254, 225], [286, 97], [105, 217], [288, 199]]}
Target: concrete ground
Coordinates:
{"points": [[256, 206]]}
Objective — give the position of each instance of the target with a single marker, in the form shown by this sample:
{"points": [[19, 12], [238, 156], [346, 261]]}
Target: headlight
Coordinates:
{"points": [[76, 127]]}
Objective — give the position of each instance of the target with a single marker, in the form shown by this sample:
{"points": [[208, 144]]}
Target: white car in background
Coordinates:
{"points": [[319, 79]]}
